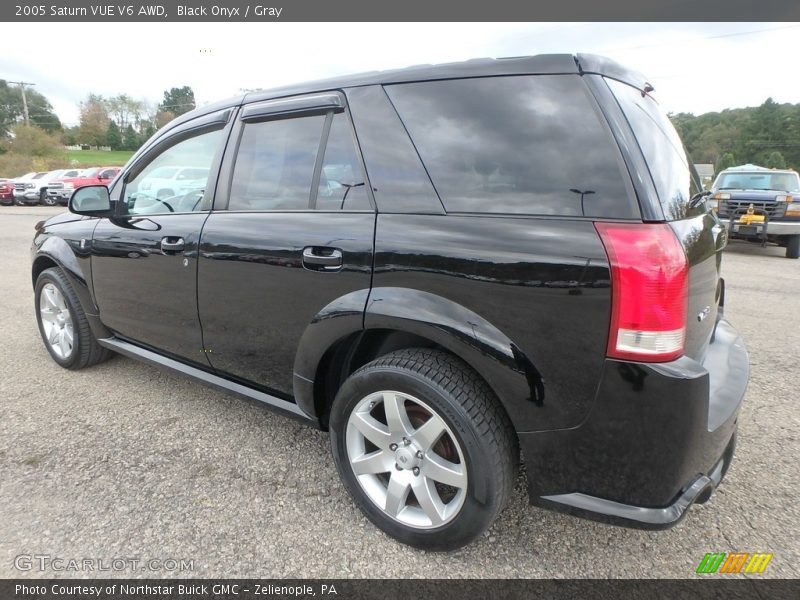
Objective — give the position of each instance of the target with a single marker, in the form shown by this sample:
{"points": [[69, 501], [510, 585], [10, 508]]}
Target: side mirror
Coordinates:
{"points": [[92, 201]]}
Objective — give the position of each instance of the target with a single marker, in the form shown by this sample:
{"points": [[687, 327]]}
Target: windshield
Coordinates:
{"points": [[88, 172], [737, 180]]}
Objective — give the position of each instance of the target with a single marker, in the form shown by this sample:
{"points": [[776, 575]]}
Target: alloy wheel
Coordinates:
{"points": [[56, 321], [406, 459]]}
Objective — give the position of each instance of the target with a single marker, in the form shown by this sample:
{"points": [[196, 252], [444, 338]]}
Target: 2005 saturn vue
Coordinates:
{"points": [[449, 268]]}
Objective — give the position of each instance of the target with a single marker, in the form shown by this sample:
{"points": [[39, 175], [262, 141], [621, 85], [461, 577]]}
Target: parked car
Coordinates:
{"points": [[51, 178], [26, 188], [6, 192], [59, 191], [441, 266], [168, 182], [759, 204]]}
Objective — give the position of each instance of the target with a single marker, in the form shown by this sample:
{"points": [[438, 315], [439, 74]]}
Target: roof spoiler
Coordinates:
{"points": [[600, 65]]}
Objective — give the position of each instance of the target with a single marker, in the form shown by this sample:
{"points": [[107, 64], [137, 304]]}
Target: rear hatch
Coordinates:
{"points": [[698, 230]]}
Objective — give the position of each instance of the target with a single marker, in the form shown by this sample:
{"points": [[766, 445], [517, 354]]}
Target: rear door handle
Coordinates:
{"points": [[317, 258], [171, 245]]}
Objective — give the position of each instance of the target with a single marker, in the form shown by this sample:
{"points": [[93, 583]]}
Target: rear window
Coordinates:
{"points": [[673, 175], [522, 145]]}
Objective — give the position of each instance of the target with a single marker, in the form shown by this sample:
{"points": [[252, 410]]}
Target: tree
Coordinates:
{"points": [[32, 140], [70, 136], [30, 148], [750, 134], [148, 132], [124, 110], [113, 136], [163, 117], [775, 160], [178, 100], [40, 111], [130, 139], [94, 121], [726, 161]]}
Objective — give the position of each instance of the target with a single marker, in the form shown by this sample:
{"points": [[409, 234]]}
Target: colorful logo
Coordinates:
{"points": [[735, 562]]}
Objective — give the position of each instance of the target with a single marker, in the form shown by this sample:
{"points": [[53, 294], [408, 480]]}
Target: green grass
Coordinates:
{"points": [[99, 158]]}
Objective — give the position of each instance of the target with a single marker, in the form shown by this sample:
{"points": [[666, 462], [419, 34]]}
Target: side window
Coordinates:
{"points": [[400, 183], [341, 183], [275, 163], [531, 145], [156, 190]]}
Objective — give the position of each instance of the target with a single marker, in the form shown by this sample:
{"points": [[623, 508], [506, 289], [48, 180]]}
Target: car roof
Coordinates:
{"points": [[542, 64]]}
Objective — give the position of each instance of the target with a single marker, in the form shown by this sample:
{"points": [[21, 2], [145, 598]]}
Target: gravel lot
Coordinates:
{"points": [[122, 460]]}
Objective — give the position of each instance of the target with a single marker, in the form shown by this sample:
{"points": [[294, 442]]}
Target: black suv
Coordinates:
{"points": [[443, 266]]}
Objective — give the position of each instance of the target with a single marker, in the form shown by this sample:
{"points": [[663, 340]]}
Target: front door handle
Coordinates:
{"points": [[172, 245], [318, 258]]}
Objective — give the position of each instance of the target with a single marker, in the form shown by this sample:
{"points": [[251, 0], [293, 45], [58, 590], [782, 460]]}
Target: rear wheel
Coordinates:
{"points": [[424, 448], [63, 324], [793, 246]]}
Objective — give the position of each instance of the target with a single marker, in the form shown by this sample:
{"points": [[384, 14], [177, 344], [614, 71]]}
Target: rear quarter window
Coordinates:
{"points": [[533, 145]]}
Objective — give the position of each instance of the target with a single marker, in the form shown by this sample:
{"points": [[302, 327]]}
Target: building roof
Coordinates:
{"points": [[704, 169]]}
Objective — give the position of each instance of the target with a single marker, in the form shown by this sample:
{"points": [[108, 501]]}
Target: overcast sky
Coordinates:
{"points": [[695, 67]]}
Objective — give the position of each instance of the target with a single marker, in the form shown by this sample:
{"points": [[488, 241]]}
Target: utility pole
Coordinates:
{"points": [[22, 85]]}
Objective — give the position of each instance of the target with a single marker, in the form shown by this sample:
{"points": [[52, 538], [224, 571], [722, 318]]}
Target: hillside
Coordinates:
{"points": [[767, 135]]}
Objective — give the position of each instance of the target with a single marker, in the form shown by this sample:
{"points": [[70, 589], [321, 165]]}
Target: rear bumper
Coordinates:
{"points": [[659, 438], [641, 517]]}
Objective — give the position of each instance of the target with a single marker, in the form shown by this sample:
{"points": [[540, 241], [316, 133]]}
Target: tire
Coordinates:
{"points": [[45, 199], [59, 314], [433, 505], [793, 246]]}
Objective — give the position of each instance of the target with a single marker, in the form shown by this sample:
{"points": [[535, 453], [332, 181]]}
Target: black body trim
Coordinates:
{"points": [[132, 351], [640, 517], [293, 106]]}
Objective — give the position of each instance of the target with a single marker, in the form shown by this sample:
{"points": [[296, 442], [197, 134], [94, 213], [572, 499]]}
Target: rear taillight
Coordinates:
{"points": [[649, 291]]}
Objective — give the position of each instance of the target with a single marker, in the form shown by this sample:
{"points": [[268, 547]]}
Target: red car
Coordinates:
{"points": [[61, 189], [6, 192]]}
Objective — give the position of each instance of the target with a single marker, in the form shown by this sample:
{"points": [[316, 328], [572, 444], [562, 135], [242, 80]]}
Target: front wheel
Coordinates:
{"points": [[424, 448], [63, 324], [793, 246]]}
